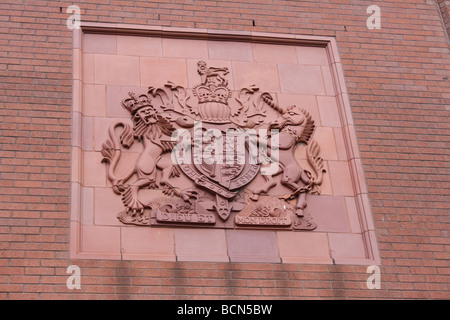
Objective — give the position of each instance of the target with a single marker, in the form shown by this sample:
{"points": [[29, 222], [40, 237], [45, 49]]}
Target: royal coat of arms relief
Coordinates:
{"points": [[202, 147]]}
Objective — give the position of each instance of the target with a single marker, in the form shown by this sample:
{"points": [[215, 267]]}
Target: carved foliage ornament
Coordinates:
{"points": [[201, 150]]}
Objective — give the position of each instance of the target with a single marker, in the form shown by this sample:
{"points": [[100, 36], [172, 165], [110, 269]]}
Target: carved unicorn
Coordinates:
{"points": [[293, 126]]}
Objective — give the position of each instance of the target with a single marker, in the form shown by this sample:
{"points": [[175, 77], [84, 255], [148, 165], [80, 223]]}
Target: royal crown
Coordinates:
{"points": [[212, 93], [134, 103]]}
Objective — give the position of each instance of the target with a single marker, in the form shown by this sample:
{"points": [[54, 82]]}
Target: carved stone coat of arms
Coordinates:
{"points": [[201, 149]]}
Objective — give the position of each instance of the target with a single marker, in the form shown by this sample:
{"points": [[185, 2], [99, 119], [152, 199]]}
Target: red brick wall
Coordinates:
{"points": [[397, 78]]}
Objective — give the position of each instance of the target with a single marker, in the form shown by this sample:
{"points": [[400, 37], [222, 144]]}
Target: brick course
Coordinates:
{"points": [[397, 80]]}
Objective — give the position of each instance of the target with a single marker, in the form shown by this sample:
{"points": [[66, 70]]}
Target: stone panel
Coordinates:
{"points": [[264, 83]]}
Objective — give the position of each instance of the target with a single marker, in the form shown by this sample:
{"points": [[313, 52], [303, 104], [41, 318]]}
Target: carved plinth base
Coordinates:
{"points": [[304, 223], [163, 217], [263, 221], [179, 213], [192, 214], [139, 219], [266, 212]]}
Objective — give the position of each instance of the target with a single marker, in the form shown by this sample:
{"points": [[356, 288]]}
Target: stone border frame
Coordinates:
{"points": [[329, 43]]}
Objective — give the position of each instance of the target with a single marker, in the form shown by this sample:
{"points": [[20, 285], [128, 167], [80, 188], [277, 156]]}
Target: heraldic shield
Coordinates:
{"points": [[224, 169], [201, 149]]}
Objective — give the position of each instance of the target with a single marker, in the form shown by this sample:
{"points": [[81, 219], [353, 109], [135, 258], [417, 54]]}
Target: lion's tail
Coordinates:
{"points": [[267, 98], [111, 150]]}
